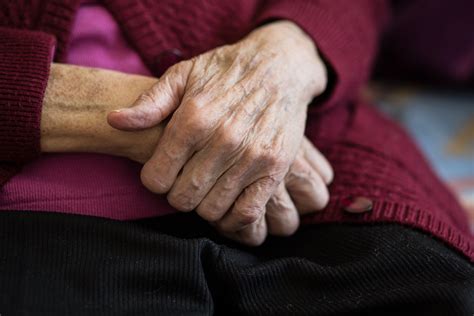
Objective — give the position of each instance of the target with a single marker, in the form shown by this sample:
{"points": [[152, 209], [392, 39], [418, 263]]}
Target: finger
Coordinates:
{"points": [[225, 192], [281, 214], [249, 206], [202, 171], [306, 187], [159, 172], [198, 177], [318, 161], [174, 149], [154, 105], [252, 235], [189, 130]]}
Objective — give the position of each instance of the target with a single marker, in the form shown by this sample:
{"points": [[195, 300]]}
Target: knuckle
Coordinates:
{"points": [[195, 104], [230, 141], [150, 179], [187, 192], [275, 161], [300, 175], [253, 154], [197, 121], [249, 215], [176, 69], [148, 97], [181, 201], [271, 159]]}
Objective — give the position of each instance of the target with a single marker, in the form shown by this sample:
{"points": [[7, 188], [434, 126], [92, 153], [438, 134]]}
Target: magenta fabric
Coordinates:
{"points": [[88, 184], [372, 157], [98, 41]]}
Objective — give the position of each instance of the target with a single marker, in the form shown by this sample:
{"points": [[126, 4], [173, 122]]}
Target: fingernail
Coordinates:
{"points": [[117, 111]]}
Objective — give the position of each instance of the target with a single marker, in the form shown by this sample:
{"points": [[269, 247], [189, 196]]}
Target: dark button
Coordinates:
{"points": [[168, 58], [357, 204]]}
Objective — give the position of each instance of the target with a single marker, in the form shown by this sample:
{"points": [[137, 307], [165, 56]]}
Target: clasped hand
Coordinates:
{"points": [[234, 147]]}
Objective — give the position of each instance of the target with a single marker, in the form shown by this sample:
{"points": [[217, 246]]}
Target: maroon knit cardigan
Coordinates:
{"points": [[372, 157]]}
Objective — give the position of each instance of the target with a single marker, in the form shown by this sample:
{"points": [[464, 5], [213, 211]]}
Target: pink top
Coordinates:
{"points": [[88, 184]]}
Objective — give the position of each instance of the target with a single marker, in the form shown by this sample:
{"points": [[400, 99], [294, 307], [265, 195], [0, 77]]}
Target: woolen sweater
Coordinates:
{"points": [[88, 184], [372, 157]]}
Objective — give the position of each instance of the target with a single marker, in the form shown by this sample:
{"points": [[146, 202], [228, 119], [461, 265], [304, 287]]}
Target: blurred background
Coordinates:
{"points": [[424, 79], [442, 123]]}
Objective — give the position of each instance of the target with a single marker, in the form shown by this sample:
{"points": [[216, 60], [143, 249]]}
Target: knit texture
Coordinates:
{"points": [[371, 156], [55, 264], [24, 69], [413, 57], [348, 51]]}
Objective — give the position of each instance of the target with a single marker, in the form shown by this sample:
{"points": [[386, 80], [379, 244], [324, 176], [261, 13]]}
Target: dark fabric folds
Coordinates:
{"points": [[56, 264]]}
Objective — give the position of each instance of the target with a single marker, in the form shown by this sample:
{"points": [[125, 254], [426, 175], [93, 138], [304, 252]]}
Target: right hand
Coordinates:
{"points": [[70, 124], [237, 115], [304, 191]]}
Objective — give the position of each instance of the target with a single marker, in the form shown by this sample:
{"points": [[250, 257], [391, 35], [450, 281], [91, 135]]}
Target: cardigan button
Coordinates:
{"points": [[357, 204], [168, 58]]}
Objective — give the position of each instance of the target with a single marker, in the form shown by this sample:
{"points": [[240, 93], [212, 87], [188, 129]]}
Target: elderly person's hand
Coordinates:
{"points": [[238, 124], [304, 190]]}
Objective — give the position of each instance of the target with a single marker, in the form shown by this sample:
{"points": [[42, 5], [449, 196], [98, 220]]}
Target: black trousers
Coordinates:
{"points": [[54, 264]]}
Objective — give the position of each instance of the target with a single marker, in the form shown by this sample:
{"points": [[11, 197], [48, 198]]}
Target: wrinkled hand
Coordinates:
{"points": [[238, 123], [304, 191]]}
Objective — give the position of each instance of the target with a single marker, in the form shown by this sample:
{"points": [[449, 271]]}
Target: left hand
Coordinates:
{"points": [[238, 123]]}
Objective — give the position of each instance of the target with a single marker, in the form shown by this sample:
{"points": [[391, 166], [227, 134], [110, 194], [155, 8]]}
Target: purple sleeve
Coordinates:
{"points": [[431, 40], [346, 34], [25, 59]]}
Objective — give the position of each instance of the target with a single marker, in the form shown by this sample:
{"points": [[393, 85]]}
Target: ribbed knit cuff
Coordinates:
{"points": [[345, 33], [25, 59]]}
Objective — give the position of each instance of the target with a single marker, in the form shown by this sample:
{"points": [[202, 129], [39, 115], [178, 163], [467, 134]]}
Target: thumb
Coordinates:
{"points": [[155, 104]]}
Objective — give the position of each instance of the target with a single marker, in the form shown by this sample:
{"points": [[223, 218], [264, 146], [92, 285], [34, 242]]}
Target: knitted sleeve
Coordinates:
{"points": [[345, 32], [25, 58]]}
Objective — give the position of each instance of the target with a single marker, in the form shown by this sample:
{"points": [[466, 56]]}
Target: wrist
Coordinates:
{"points": [[75, 108], [298, 48]]}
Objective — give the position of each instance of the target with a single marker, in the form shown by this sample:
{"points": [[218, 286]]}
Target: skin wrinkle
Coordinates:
{"points": [[246, 208], [276, 137], [74, 112], [317, 161], [148, 98], [263, 179], [216, 58], [260, 179], [91, 133], [243, 108], [221, 80], [232, 107], [232, 182], [200, 178], [299, 173], [282, 216]]}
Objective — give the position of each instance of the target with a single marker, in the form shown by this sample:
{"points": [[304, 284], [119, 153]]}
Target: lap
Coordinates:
{"points": [[177, 265]]}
